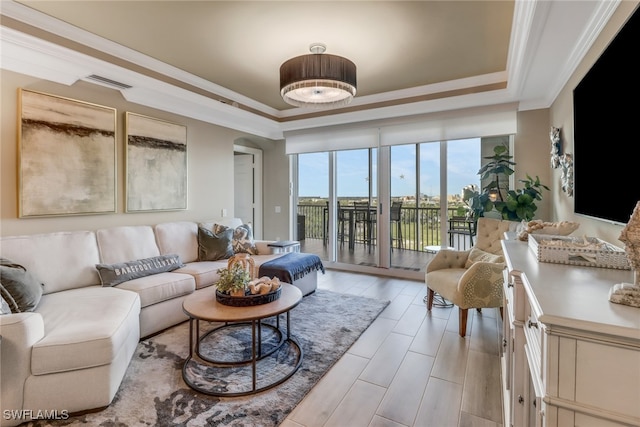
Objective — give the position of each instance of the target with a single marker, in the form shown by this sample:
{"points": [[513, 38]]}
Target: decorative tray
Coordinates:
{"points": [[584, 251], [249, 299]]}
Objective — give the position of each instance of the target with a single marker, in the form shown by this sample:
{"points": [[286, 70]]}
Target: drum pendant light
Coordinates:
{"points": [[318, 80]]}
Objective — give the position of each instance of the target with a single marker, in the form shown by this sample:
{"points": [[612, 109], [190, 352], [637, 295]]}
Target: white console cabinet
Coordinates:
{"points": [[570, 357]]}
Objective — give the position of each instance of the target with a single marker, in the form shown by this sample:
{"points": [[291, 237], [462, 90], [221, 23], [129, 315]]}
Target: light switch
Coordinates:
{"points": [[278, 209]]}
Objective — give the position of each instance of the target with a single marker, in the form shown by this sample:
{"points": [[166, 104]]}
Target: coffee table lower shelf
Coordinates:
{"points": [[254, 367]]}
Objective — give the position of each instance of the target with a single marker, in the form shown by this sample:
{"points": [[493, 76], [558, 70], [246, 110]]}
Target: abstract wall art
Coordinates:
{"points": [[156, 164], [67, 156]]}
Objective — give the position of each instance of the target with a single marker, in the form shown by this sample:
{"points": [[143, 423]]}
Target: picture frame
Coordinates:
{"points": [[66, 156], [156, 164]]}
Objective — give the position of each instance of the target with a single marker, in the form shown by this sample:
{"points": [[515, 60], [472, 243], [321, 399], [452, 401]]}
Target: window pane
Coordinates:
{"points": [[313, 175], [463, 163]]}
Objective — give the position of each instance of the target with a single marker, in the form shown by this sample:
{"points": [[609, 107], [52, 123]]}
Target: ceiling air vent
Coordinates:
{"points": [[107, 82]]}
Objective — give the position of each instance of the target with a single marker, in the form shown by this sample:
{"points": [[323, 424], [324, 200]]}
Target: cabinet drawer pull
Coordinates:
{"points": [[533, 324], [509, 285], [520, 399]]}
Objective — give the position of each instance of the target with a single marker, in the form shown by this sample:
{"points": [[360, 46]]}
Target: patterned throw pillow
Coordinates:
{"points": [[114, 274], [20, 289], [476, 255], [242, 238], [213, 245]]}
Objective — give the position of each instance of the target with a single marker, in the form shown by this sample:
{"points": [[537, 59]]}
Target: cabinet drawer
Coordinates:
{"points": [[534, 332], [519, 295], [507, 289]]}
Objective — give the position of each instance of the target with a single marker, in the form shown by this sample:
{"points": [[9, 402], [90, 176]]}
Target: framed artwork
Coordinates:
{"points": [[67, 156], [156, 164]]}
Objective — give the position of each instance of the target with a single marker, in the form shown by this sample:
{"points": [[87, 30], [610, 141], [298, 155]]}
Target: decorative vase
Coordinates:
{"points": [[245, 261]]}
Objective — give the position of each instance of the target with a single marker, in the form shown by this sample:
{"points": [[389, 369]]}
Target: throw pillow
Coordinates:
{"points": [[242, 238], [476, 255], [19, 288], [213, 246], [4, 306], [114, 274]]}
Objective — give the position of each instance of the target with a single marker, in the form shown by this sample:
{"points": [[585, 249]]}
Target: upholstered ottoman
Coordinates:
{"points": [[299, 269]]}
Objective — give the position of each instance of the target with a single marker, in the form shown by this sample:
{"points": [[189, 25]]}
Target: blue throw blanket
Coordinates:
{"points": [[291, 266]]}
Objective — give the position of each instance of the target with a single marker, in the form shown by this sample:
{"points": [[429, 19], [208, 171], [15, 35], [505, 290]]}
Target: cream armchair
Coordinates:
{"points": [[473, 278]]}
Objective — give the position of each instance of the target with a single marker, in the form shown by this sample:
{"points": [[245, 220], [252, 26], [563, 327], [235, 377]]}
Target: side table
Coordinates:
{"points": [[283, 246]]}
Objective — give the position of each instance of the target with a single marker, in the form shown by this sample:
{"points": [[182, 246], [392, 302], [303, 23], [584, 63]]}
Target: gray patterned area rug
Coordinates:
{"points": [[153, 392]]}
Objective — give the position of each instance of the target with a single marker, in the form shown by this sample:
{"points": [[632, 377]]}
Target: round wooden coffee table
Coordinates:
{"points": [[229, 375]]}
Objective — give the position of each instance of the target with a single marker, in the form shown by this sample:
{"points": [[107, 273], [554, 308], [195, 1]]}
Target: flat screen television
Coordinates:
{"points": [[606, 120]]}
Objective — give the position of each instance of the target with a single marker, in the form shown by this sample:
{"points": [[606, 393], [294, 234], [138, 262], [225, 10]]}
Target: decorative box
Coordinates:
{"points": [[585, 251]]}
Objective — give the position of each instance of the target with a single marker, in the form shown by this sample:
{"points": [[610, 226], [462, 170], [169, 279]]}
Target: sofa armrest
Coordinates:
{"points": [[19, 333], [447, 258], [263, 246]]}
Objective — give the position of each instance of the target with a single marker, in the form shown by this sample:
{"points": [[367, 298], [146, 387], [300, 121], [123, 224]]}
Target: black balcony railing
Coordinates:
{"points": [[419, 226]]}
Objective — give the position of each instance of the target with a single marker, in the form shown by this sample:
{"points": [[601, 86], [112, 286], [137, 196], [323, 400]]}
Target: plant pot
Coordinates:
{"points": [[237, 293], [493, 213]]}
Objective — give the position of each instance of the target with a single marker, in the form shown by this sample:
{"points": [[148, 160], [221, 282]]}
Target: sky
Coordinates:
{"points": [[352, 170]]}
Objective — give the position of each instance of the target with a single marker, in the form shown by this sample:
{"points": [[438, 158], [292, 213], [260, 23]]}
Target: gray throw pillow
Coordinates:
{"points": [[4, 306], [19, 288], [213, 246], [114, 274], [242, 241]]}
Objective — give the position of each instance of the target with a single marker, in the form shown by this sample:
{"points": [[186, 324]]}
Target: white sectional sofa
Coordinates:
{"points": [[71, 353]]}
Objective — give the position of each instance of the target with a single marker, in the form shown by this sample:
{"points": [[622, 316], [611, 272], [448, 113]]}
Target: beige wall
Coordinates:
{"points": [[276, 191], [562, 117], [209, 151], [532, 149], [530, 153]]}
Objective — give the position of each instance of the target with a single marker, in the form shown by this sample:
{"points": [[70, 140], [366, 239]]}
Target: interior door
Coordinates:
{"points": [[243, 187]]}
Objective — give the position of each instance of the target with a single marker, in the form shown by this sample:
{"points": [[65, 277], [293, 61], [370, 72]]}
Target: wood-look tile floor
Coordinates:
{"points": [[410, 367]]}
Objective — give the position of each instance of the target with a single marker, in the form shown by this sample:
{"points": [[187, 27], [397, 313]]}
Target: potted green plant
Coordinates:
{"points": [[520, 204], [234, 280], [514, 205]]}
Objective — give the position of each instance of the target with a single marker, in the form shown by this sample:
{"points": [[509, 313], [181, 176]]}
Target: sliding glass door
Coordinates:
{"points": [[388, 208], [312, 210], [356, 206]]}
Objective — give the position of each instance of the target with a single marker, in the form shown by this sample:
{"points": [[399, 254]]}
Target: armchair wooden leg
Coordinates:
{"points": [[430, 294], [462, 319]]}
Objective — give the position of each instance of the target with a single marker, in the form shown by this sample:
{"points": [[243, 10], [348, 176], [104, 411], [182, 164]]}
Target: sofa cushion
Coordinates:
{"points": [[160, 287], [478, 255], [65, 260], [242, 241], [204, 272], [113, 274], [212, 245], [180, 237], [20, 289], [121, 244], [84, 327]]}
